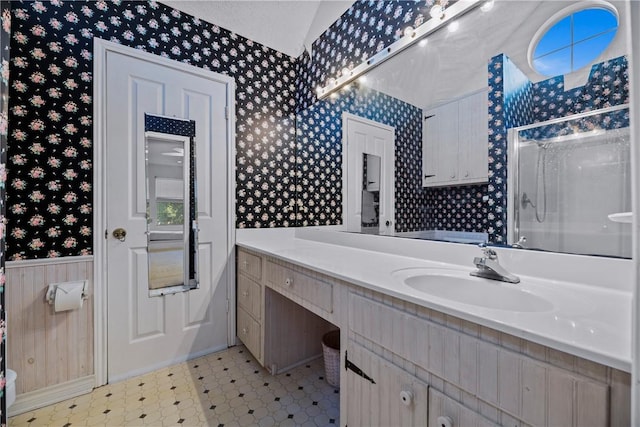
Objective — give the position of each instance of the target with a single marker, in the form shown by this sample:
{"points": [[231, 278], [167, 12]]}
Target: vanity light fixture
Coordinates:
{"points": [[410, 36], [487, 6], [437, 11], [409, 32]]}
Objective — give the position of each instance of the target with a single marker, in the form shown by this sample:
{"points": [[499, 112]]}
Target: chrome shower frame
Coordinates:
{"points": [[513, 144]]}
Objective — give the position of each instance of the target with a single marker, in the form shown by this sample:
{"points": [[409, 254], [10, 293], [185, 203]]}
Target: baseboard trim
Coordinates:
{"points": [[276, 370], [174, 361], [26, 402]]}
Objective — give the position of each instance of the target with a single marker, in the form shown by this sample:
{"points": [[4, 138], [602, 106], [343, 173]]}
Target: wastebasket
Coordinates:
{"points": [[331, 356]]}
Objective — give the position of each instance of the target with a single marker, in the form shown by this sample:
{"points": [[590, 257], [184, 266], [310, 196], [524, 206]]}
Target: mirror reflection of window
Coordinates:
{"points": [[169, 199], [168, 188], [370, 212]]}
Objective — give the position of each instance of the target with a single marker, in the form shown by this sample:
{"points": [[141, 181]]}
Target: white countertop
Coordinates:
{"points": [[590, 319]]}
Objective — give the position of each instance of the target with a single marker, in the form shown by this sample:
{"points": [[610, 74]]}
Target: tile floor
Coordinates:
{"points": [[228, 388]]}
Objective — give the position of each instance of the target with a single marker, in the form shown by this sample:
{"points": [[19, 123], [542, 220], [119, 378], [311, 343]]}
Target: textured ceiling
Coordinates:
{"points": [[285, 25]]}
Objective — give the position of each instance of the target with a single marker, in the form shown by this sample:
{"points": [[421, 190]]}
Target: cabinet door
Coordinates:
{"points": [[396, 399], [249, 333], [473, 138], [250, 296], [440, 145]]}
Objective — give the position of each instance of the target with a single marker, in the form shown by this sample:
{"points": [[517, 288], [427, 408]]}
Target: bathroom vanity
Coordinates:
{"points": [[558, 357]]}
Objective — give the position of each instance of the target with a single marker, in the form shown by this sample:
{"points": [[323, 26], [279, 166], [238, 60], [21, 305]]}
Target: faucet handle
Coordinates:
{"points": [[488, 252]]}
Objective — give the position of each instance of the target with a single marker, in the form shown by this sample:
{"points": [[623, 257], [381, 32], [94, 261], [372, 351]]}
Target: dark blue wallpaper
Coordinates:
{"points": [[365, 29], [51, 123], [5, 36], [515, 101], [319, 148], [282, 179]]}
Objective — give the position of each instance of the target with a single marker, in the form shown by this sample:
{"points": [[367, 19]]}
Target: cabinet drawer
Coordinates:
{"points": [[250, 296], [250, 264], [249, 333], [312, 290]]}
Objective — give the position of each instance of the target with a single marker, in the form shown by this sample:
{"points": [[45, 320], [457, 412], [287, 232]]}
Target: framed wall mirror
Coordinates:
{"points": [[448, 70], [172, 227]]}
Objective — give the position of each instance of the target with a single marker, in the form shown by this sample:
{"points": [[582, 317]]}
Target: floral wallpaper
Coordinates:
{"points": [[282, 179], [319, 150], [515, 101], [51, 124], [365, 29], [5, 35]]}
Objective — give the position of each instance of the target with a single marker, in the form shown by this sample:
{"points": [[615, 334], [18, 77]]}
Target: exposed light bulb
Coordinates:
{"points": [[437, 11], [487, 6], [346, 71], [362, 79], [332, 81], [318, 90], [409, 31], [423, 42], [453, 26]]}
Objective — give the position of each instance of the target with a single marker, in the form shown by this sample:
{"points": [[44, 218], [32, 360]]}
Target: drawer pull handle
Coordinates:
{"points": [[288, 281], [245, 294], [406, 397]]}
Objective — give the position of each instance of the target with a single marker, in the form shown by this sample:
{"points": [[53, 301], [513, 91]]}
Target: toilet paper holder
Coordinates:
{"points": [[51, 291]]}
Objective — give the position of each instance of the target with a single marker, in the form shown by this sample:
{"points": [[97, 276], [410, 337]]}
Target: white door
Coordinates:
{"points": [[362, 136], [145, 333]]}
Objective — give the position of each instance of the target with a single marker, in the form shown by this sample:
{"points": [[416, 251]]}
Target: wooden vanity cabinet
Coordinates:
{"points": [[407, 365], [478, 376], [394, 398], [281, 311], [250, 303]]}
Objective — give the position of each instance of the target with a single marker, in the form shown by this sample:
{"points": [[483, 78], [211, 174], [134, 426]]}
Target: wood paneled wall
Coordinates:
{"points": [[47, 348]]}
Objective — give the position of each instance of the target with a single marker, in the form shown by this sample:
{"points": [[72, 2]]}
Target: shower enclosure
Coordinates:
{"points": [[570, 184]]}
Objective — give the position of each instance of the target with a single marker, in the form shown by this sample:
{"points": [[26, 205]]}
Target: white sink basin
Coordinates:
{"points": [[458, 285]]}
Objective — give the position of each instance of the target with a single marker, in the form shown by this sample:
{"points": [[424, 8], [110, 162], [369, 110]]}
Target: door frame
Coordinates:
{"points": [[389, 159], [100, 49]]}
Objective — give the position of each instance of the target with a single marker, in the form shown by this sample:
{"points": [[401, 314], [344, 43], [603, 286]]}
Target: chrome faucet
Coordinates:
{"points": [[489, 267]]}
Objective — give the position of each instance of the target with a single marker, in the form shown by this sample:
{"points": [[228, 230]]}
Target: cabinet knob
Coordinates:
{"points": [[453, 175], [288, 281], [443, 421], [245, 331], [245, 293], [245, 264], [406, 397]]}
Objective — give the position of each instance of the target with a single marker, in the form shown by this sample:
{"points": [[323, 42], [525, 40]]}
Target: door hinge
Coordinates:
{"points": [[228, 305], [226, 113], [349, 365], [106, 234], [428, 117]]}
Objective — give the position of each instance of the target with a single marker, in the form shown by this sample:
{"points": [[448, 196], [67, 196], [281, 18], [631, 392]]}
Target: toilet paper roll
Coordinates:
{"points": [[68, 296]]}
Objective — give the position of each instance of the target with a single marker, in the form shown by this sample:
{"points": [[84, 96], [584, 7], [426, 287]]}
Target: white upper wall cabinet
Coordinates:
{"points": [[455, 142]]}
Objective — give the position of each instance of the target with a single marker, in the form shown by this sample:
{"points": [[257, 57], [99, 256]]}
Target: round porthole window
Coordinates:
{"points": [[573, 38]]}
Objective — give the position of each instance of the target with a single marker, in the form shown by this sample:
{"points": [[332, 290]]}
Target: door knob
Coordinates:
{"points": [[120, 234]]}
